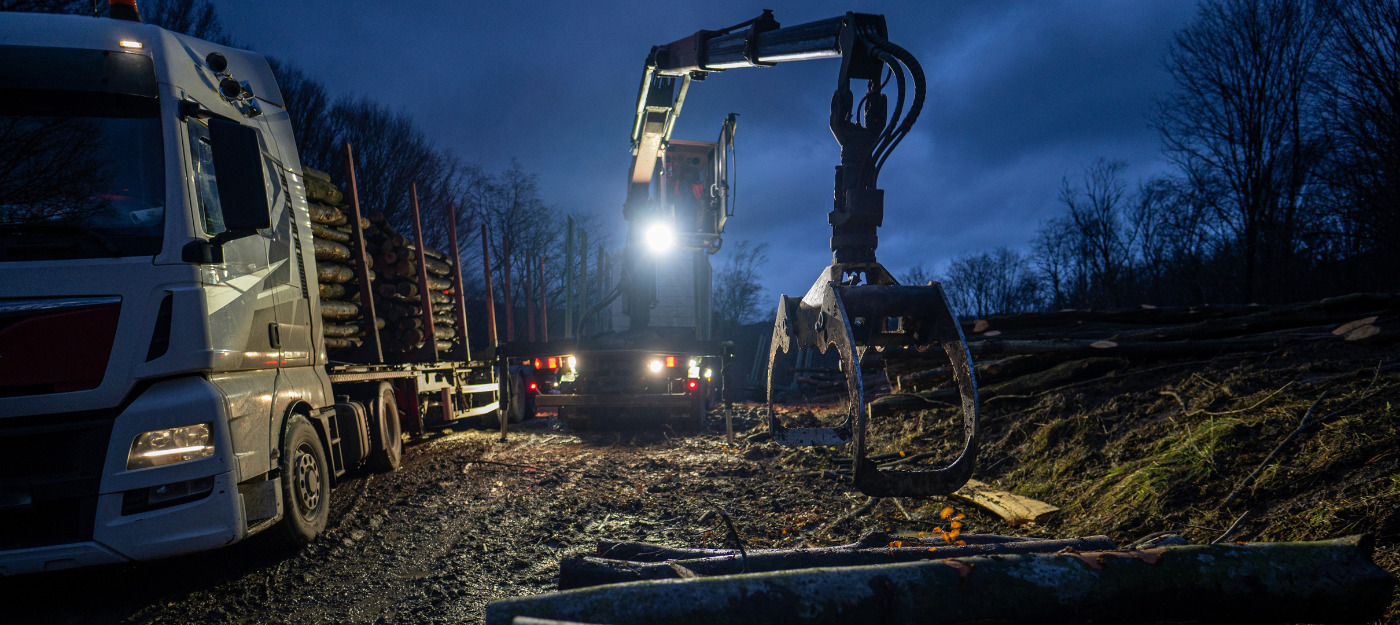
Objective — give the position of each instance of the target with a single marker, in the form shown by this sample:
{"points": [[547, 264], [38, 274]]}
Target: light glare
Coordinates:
{"points": [[659, 237]]}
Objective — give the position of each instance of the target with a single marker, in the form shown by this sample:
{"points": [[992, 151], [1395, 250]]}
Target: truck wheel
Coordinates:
{"points": [[306, 483], [388, 449], [522, 402]]}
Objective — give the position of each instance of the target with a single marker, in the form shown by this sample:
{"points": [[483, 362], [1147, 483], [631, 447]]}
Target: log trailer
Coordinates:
{"points": [[165, 380]]}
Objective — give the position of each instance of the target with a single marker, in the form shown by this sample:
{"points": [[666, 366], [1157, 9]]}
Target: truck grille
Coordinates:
{"points": [[55, 345], [50, 473]]}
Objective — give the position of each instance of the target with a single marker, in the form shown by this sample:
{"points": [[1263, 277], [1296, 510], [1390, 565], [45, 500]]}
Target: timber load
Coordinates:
{"points": [[392, 261]]}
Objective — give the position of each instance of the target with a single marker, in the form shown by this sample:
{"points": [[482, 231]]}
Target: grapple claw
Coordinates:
{"points": [[869, 310]]}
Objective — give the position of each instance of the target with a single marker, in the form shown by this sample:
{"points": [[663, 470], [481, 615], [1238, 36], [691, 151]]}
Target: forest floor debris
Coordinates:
{"points": [[1144, 448]]}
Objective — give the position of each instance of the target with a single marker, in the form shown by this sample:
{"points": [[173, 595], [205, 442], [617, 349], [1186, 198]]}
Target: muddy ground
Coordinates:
{"points": [[1147, 447], [465, 521]]}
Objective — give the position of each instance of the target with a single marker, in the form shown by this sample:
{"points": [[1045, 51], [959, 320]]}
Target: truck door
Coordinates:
{"points": [[241, 313], [285, 255]]}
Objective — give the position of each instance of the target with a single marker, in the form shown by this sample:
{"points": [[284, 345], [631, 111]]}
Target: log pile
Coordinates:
{"points": [[399, 296], [1332, 581], [392, 260], [1020, 354]]}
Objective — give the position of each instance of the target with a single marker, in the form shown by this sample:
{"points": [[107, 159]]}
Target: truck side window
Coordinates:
{"points": [[206, 191]]}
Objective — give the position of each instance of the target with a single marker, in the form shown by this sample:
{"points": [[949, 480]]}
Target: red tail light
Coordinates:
{"points": [[692, 384], [534, 386], [670, 361], [553, 363]]}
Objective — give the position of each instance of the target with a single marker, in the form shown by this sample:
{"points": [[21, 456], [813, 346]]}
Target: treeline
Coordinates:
{"points": [[392, 154], [1283, 132]]}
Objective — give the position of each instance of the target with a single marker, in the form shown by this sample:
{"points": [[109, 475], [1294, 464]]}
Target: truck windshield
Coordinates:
{"points": [[79, 181]]}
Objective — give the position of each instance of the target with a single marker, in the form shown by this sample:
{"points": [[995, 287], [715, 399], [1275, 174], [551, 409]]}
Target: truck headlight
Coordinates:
{"points": [[655, 366], [171, 445]]}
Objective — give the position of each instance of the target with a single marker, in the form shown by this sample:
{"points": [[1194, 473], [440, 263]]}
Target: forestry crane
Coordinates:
{"points": [[855, 305]]}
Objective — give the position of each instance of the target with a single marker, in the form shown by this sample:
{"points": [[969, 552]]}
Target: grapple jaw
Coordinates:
{"points": [[856, 308]]}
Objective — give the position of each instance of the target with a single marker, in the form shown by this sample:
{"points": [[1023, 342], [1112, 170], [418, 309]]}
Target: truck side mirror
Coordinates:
{"points": [[239, 168], [239, 176]]}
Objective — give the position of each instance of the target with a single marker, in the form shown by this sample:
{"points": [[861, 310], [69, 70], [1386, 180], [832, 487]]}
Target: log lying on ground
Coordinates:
{"points": [[647, 552], [1059, 375], [1163, 316], [1129, 316], [581, 571], [1012, 508], [1145, 349], [1330, 581]]}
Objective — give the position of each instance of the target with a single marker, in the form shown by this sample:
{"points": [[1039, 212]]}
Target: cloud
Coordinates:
{"points": [[1021, 94]]}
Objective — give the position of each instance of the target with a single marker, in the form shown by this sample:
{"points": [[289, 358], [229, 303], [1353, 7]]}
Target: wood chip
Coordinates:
{"points": [[1346, 328], [1013, 509]]}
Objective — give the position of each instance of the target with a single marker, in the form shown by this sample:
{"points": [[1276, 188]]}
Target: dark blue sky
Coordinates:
{"points": [[1021, 94]]}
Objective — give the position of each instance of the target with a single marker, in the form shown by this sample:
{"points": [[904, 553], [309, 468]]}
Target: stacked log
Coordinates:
{"points": [[398, 293], [393, 261], [331, 239]]}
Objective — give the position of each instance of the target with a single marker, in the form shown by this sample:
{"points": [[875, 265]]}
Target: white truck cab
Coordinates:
{"points": [[160, 345]]}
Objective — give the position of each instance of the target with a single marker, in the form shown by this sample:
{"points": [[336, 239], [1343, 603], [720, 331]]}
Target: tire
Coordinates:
{"points": [[388, 445], [306, 483], [522, 403]]}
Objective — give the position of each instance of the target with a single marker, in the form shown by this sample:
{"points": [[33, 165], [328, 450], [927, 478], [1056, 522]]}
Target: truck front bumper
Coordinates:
{"points": [[210, 522], [60, 514]]}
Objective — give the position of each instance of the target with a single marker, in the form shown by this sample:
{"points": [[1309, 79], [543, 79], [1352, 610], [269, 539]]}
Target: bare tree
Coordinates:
{"points": [[987, 283], [195, 18], [1101, 239], [737, 290], [1054, 256], [1244, 72], [309, 107], [918, 275], [1362, 93], [81, 7]]}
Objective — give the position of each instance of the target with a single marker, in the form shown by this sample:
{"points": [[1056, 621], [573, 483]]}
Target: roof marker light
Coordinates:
{"points": [[130, 45]]}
